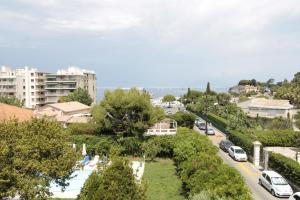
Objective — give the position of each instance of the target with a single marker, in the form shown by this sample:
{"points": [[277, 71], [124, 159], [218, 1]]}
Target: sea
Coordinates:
{"points": [[157, 92]]}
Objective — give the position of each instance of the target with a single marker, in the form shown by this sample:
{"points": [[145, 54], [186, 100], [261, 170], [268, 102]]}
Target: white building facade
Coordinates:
{"points": [[66, 81], [27, 84], [35, 88]]}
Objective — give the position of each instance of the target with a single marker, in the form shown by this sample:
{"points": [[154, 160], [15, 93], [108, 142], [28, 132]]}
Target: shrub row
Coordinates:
{"points": [[284, 138], [242, 140], [218, 122], [287, 167], [200, 169]]}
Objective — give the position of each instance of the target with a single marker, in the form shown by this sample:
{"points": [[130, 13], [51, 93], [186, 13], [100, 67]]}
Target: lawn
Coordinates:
{"points": [[161, 180]]}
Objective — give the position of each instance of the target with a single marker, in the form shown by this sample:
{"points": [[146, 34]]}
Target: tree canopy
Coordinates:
{"points": [[11, 100], [32, 155], [125, 113], [169, 98], [80, 95], [290, 90], [116, 182]]}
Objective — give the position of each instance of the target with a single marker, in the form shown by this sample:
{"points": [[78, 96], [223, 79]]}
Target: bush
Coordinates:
{"points": [[184, 119], [200, 169], [287, 167], [116, 182], [161, 146], [94, 144], [131, 146], [82, 129], [284, 138], [219, 122]]}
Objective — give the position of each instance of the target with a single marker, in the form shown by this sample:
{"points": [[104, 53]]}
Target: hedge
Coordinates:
{"points": [[283, 138], [243, 140], [287, 167], [219, 122]]}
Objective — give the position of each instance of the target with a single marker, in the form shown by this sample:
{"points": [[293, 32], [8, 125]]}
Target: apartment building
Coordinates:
{"points": [[36, 88], [7, 81], [65, 81], [27, 84]]}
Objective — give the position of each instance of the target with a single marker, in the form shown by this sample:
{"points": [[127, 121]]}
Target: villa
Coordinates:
{"points": [[269, 108], [164, 127], [65, 113]]}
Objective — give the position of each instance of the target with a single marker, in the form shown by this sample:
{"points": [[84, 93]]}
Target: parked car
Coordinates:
{"points": [[202, 126], [210, 131], [225, 145], [275, 183], [237, 153], [295, 196], [198, 121]]}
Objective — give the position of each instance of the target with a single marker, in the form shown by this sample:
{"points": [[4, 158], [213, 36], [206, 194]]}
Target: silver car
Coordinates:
{"points": [[275, 183]]}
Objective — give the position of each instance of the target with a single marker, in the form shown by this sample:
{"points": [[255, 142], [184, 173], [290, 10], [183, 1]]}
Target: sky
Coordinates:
{"points": [[155, 43]]}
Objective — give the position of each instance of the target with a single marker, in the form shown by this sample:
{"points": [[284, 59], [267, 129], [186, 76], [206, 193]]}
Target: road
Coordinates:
{"points": [[247, 170]]}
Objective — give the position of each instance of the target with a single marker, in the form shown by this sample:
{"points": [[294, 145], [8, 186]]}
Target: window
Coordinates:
{"points": [[32, 74], [24, 93], [264, 175], [24, 87], [296, 197], [32, 80], [268, 179], [23, 80], [32, 93], [32, 87]]}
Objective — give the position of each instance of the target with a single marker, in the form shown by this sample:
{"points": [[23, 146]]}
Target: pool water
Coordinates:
{"points": [[75, 185]]}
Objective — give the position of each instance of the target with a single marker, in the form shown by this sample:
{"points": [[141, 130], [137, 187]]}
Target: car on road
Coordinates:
{"points": [[202, 126], [275, 183], [210, 131], [225, 145], [237, 153], [198, 121], [295, 196]]}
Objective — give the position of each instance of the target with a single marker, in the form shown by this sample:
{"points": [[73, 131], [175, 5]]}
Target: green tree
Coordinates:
{"points": [[208, 90], [90, 187], [80, 95], [118, 183], [151, 149], [169, 98], [32, 155], [223, 99], [11, 100], [184, 119], [125, 113]]}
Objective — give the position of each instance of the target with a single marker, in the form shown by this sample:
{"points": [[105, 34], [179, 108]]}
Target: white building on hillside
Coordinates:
{"points": [[27, 84], [267, 107], [164, 127], [65, 81]]}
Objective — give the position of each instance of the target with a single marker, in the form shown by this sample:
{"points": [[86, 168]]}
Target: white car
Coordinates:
{"points": [[275, 183], [295, 196], [210, 131], [237, 153]]}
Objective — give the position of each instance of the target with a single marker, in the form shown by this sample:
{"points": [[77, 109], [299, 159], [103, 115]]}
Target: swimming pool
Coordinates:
{"points": [[75, 185]]}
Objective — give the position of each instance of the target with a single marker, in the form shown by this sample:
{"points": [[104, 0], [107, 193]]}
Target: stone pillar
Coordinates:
{"points": [[266, 158], [256, 153], [298, 157]]}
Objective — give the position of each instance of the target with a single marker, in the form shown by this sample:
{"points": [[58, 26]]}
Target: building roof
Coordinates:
{"points": [[8, 112], [270, 104], [69, 106]]}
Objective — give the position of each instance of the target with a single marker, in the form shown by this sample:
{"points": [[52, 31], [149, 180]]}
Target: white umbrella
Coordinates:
{"points": [[84, 150]]}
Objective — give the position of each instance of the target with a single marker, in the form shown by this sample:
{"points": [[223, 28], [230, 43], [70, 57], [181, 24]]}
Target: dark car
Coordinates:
{"points": [[225, 145]]}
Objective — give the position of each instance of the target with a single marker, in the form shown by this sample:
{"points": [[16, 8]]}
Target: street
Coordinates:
{"points": [[247, 170]]}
